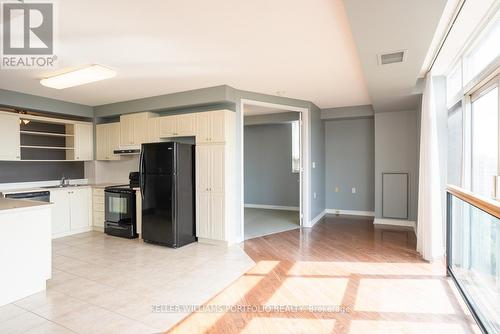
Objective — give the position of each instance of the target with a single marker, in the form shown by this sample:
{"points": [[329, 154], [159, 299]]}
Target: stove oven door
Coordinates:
{"points": [[119, 207]]}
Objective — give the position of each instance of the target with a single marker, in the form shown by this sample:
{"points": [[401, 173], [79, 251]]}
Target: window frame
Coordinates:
{"points": [[475, 94], [296, 143], [469, 85]]}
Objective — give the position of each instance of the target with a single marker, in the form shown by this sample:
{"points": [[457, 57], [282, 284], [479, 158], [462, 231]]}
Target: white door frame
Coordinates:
{"points": [[304, 161]]}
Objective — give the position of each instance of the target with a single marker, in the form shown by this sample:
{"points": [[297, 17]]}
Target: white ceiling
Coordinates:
{"points": [[385, 26], [303, 49]]}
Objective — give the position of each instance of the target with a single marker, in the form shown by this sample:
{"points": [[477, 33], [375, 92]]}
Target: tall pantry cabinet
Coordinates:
{"points": [[215, 149]]}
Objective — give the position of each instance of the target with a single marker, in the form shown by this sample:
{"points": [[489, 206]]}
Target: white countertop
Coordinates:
{"points": [[13, 204], [53, 187]]}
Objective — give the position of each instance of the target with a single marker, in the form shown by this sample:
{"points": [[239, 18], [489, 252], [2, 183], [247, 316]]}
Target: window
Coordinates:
{"points": [[485, 141], [296, 147], [482, 55], [484, 52]]}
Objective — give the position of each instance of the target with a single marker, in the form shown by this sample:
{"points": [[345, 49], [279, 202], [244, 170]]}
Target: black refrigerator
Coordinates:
{"points": [[167, 182]]}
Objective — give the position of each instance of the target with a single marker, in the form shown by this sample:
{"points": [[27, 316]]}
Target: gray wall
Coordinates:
{"points": [[268, 166], [28, 171], [350, 161], [188, 99], [396, 150], [316, 136], [13, 99], [317, 149]]}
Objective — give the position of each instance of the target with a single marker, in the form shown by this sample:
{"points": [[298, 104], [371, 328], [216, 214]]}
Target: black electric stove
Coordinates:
{"points": [[120, 210]]}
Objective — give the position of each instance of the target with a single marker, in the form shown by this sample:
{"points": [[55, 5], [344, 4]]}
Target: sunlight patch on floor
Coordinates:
{"points": [[384, 295], [309, 291], [406, 327], [263, 267], [232, 295], [289, 326], [312, 268]]}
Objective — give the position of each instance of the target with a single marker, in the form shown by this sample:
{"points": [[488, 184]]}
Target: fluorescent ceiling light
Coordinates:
{"points": [[78, 77]]}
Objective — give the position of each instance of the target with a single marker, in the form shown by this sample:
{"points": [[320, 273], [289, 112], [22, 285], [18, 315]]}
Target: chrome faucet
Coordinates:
{"points": [[64, 181]]}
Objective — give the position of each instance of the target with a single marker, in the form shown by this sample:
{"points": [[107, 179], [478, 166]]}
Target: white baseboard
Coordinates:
{"points": [[65, 234], [350, 212], [316, 219], [395, 222], [213, 242], [272, 207]]}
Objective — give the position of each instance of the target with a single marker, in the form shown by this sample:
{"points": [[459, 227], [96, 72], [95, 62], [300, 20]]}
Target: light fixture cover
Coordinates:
{"points": [[79, 77]]}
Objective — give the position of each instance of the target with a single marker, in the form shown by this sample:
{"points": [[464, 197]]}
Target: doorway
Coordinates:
{"points": [[273, 170]]}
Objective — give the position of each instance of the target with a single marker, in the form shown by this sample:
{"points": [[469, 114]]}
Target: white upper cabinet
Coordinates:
{"points": [[207, 127], [107, 140], [9, 137], [153, 130], [127, 130], [178, 126], [134, 128], [218, 125], [212, 126], [203, 127], [84, 142], [168, 125], [186, 125]]}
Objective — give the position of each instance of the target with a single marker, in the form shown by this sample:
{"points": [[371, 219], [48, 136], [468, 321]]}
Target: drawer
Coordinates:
{"points": [[98, 219], [98, 199]]}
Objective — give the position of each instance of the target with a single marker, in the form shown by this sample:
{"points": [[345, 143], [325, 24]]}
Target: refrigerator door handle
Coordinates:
{"points": [[142, 175]]}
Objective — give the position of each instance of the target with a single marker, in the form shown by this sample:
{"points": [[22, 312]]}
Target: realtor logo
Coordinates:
{"points": [[27, 35]]}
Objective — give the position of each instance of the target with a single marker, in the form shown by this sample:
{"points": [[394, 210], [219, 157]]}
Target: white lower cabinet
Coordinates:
{"points": [[71, 212], [60, 212], [98, 208]]}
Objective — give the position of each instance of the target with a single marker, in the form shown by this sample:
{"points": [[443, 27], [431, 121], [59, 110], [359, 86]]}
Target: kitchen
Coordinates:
{"points": [[155, 180]]}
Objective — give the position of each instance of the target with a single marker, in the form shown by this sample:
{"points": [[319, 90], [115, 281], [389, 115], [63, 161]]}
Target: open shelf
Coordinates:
{"points": [[44, 140], [50, 134]]}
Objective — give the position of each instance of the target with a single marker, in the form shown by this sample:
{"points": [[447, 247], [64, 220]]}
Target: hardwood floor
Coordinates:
{"points": [[374, 278]]}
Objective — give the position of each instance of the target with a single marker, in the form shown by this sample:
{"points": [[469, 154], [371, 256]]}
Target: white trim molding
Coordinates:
{"points": [[395, 222], [272, 207], [350, 212], [305, 175], [317, 218]]}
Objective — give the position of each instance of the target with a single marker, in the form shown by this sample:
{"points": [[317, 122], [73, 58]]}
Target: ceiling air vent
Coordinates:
{"points": [[391, 58]]}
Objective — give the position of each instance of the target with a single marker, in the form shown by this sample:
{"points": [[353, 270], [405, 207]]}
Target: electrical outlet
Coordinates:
{"points": [[314, 164], [353, 190], [337, 189], [314, 195]]}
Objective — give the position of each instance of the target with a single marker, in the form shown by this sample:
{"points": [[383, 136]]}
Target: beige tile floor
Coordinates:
{"points": [[103, 284]]}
